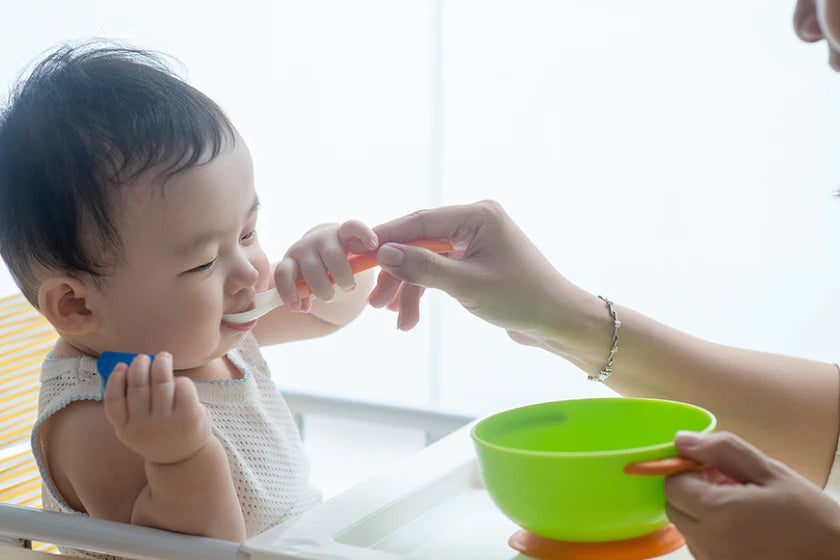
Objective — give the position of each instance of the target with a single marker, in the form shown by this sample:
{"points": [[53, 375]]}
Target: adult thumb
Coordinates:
{"points": [[422, 267], [730, 454]]}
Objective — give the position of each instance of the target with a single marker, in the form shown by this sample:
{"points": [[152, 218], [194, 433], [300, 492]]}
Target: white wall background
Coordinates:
{"points": [[677, 157]]}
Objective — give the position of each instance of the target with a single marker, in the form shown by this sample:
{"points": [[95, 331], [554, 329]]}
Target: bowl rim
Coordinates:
{"points": [[609, 452]]}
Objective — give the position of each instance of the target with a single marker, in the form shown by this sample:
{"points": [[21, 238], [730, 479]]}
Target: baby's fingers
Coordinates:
{"points": [[285, 282], [137, 390], [357, 237], [185, 396], [115, 404], [193, 417], [314, 272], [335, 261], [163, 385]]}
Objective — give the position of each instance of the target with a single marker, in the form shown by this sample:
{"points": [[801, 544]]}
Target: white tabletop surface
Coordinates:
{"points": [[430, 506]]}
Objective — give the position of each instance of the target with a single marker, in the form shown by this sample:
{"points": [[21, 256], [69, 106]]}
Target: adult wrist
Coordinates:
{"points": [[580, 329], [606, 370]]}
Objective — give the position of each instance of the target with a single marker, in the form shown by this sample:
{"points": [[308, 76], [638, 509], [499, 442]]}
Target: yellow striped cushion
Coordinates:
{"points": [[25, 339]]}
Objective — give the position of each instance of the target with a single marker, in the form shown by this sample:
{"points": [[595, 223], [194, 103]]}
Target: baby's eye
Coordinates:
{"points": [[249, 235], [206, 266]]}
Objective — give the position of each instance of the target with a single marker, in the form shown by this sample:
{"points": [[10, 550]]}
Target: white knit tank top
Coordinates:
{"points": [[249, 416]]}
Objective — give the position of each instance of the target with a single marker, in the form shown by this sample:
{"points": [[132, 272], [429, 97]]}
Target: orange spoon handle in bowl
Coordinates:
{"points": [[365, 261], [666, 466]]}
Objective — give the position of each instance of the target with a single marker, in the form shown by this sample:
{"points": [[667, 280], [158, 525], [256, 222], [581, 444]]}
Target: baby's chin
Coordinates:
{"points": [[190, 361]]}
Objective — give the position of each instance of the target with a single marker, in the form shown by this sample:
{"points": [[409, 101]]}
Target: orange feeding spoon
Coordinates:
{"points": [[269, 300]]}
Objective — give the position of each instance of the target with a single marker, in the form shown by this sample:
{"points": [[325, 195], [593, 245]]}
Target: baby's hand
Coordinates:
{"points": [[155, 414], [321, 254]]}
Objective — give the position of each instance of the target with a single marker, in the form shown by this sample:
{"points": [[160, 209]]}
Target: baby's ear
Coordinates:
{"points": [[63, 301]]}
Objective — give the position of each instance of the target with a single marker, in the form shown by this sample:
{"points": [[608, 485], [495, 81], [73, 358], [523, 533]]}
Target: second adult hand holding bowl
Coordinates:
{"points": [[559, 469]]}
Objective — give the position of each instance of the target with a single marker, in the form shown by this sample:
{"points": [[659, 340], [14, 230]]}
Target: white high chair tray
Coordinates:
{"points": [[430, 506]]}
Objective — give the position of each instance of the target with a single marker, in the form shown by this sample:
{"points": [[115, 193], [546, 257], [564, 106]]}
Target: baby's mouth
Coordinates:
{"points": [[261, 304], [240, 326], [250, 306]]}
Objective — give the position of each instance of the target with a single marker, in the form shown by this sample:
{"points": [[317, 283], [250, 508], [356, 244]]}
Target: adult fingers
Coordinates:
{"points": [[691, 493], [449, 222], [700, 540], [385, 290], [163, 384], [732, 456], [115, 405], [422, 267], [833, 59], [137, 387], [805, 21], [689, 526], [394, 304], [828, 18], [409, 309]]}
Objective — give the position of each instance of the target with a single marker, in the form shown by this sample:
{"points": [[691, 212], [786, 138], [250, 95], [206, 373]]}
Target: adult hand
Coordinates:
{"points": [[748, 505], [494, 271]]}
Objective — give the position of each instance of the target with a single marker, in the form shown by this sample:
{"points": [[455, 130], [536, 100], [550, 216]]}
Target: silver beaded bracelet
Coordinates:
{"points": [[607, 371]]}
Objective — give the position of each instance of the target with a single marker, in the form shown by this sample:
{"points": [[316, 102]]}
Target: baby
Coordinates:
{"points": [[128, 217]]}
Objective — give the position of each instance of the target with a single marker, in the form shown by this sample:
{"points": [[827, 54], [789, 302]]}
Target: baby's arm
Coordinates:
{"points": [[189, 488], [95, 472], [319, 255]]}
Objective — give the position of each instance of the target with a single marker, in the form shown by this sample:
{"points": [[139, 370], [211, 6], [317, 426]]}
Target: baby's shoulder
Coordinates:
{"points": [[91, 469]]}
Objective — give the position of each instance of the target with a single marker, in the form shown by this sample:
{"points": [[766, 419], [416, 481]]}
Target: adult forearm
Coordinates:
{"points": [[786, 406], [194, 496], [789, 407]]}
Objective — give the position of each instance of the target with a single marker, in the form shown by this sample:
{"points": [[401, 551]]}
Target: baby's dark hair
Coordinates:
{"points": [[86, 120]]}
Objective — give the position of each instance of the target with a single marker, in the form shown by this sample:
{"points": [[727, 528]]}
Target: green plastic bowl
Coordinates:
{"points": [[556, 468]]}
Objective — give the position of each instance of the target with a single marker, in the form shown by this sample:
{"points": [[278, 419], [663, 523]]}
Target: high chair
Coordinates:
{"points": [[25, 339]]}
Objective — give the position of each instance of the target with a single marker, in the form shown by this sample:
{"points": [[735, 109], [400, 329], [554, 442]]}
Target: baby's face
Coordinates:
{"points": [[189, 255]]}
